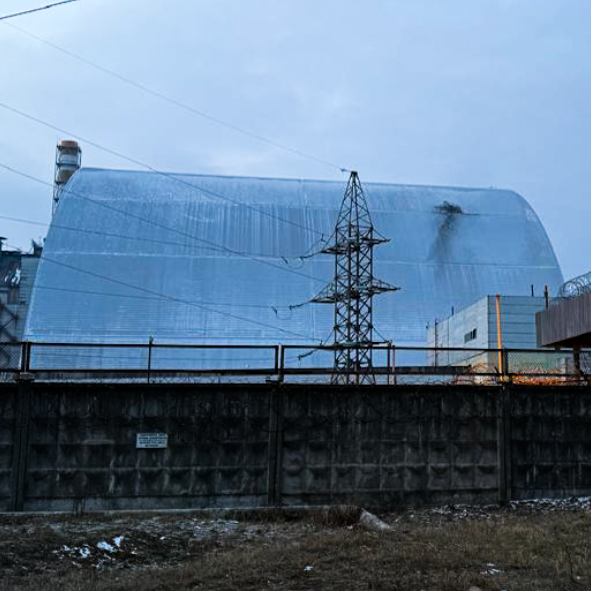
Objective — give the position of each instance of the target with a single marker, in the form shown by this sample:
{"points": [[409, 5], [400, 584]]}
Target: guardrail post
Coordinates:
{"points": [[150, 344], [506, 374], [25, 357], [577, 364], [280, 363], [276, 349]]}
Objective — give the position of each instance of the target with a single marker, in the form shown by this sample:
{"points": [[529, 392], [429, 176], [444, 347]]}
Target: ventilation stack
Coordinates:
{"points": [[68, 158]]}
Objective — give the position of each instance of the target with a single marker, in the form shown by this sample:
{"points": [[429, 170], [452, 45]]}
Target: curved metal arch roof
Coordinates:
{"points": [[108, 258]]}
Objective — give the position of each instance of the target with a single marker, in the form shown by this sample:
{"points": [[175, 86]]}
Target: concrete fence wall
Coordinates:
{"points": [[73, 447]]}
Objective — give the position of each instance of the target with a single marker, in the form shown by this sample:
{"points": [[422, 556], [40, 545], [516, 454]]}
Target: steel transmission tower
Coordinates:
{"points": [[353, 287]]}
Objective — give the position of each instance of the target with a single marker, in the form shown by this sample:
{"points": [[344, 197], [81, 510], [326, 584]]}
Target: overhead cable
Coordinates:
{"points": [[146, 297], [107, 234], [179, 104], [167, 175], [221, 247], [175, 299], [3, 18]]}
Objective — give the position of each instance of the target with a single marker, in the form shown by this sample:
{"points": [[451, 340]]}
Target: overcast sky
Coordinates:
{"points": [[472, 93]]}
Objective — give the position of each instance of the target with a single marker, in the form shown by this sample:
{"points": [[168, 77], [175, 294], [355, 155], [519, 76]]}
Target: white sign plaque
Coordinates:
{"points": [[151, 440]]}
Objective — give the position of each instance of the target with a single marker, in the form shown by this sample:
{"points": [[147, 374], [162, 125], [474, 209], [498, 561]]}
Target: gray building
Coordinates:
{"points": [[17, 276], [477, 326], [567, 323], [493, 322], [210, 259]]}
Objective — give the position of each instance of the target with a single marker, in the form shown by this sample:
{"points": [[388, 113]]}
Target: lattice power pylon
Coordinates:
{"points": [[353, 287]]}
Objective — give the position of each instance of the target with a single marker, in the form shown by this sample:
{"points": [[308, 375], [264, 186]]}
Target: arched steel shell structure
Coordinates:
{"points": [[216, 249]]}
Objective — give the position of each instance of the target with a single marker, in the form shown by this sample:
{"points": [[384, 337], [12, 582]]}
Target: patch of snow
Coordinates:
{"points": [[553, 504], [16, 278], [75, 551], [106, 546], [84, 552], [491, 569]]}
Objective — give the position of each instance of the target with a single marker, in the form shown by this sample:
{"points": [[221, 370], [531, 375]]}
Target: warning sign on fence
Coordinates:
{"points": [[151, 440]]}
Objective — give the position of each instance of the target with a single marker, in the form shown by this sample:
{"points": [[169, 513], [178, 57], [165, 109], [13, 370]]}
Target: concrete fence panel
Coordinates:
{"points": [[95, 446]]}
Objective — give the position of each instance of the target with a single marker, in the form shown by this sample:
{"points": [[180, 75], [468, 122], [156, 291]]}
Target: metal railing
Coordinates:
{"points": [[151, 362]]}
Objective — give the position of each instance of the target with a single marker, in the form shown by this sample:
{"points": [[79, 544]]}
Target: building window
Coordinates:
{"points": [[470, 336]]}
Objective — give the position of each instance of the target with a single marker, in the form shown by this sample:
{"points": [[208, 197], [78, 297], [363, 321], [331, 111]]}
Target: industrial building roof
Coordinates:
{"points": [[212, 259]]}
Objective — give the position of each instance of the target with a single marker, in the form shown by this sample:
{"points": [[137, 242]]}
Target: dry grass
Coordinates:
{"points": [[503, 550]]}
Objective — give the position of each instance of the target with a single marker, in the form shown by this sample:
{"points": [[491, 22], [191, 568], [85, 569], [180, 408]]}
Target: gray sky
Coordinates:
{"points": [[438, 92]]}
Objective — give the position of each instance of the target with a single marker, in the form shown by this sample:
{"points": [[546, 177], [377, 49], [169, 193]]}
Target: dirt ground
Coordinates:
{"points": [[529, 546]]}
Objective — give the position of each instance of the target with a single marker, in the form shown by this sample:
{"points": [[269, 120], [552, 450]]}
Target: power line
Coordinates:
{"points": [[105, 234], [154, 170], [2, 18], [175, 299], [163, 226], [178, 103], [139, 297], [18, 249]]}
